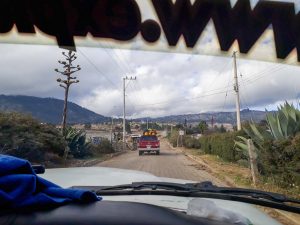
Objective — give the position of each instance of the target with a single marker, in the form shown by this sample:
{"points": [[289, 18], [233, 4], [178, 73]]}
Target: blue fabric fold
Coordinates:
{"points": [[21, 188]]}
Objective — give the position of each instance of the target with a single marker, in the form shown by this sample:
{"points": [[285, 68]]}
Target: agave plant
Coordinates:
{"points": [[283, 124], [76, 141], [242, 145]]}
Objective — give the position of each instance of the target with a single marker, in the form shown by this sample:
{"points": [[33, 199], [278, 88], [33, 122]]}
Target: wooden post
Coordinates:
{"points": [[252, 160]]}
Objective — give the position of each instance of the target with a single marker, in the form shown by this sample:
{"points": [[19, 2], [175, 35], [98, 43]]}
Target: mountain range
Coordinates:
{"points": [[215, 117], [49, 110]]}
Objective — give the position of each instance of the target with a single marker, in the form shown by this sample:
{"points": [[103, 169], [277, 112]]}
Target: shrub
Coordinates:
{"points": [[104, 147], [277, 145], [24, 137], [190, 142], [222, 145], [281, 161], [173, 137]]}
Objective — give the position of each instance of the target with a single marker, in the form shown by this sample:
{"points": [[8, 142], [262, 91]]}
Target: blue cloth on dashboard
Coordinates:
{"points": [[21, 188]]}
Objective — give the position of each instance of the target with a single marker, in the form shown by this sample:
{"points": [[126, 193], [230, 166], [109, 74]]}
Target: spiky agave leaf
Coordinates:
{"points": [[76, 140], [257, 136], [282, 124], [273, 126], [256, 132], [291, 111], [241, 145]]}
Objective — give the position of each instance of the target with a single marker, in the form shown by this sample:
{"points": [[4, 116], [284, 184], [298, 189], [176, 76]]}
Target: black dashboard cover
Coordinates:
{"points": [[105, 213]]}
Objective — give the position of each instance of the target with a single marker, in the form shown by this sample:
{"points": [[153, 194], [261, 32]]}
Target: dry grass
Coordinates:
{"points": [[241, 176], [238, 176]]}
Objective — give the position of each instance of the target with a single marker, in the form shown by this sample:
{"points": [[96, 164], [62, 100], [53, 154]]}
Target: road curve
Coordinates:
{"points": [[170, 163]]}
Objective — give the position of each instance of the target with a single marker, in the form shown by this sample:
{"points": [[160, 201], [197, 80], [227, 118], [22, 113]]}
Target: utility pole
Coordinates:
{"points": [[124, 108], [111, 130], [185, 126], [236, 89], [147, 124]]}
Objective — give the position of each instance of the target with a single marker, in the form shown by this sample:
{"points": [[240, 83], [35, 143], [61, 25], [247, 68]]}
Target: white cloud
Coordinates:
{"points": [[166, 83]]}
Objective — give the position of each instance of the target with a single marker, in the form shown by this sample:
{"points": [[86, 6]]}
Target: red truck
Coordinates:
{"points": [[149, 142]]}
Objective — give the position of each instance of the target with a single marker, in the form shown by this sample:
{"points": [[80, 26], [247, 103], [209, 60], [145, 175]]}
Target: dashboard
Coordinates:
{"points": [[105, 213]]}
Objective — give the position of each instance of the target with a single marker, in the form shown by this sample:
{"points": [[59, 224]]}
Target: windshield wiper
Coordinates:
{"points": [[203, 187], [148, 185], [209, 187], [205, 190]]}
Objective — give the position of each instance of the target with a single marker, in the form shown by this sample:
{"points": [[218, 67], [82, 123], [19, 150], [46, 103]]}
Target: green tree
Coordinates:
{"points": [[222, 129], [203, 126], [127, 127], [151, 125], [179, 126], [87, 126]]}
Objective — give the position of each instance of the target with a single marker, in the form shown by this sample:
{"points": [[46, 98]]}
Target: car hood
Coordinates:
{"points": [[103, 176], [100, 176]]}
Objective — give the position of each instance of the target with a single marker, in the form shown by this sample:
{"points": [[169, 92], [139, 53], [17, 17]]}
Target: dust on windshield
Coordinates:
{"points": [[219, 117]]}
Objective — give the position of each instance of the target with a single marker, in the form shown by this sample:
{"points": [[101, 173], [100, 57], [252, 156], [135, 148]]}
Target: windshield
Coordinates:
{"points": [[148, 138], [219, 101]]}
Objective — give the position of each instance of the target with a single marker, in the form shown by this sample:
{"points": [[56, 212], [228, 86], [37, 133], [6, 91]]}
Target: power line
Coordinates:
{"points": [[220, 72], [138, 97], [133, 93], [264, 73], [183, 100], [110, 53], [97, 69], [125, 65], [204, 95], [228, 83], [247, 96]]}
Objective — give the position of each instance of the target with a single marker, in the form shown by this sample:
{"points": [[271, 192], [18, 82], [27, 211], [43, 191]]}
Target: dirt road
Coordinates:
{"points": [[170, 163], [174, 164]]}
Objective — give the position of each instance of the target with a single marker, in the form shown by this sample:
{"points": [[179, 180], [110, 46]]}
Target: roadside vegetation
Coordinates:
{"points": [[276, 142], [25, 137], [151, 125]]}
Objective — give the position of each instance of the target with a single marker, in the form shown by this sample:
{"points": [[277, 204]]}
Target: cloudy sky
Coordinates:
{"points": [[167, 83]]}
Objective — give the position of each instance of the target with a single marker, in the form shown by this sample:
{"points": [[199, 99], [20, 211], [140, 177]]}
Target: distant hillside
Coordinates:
{"points": [[219, 117], [49, 110]]}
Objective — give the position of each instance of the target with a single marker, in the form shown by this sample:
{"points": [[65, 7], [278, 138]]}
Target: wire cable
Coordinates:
{"points": [[97, 69]]}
